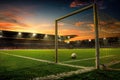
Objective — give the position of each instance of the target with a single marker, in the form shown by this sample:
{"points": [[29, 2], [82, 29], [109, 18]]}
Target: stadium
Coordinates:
{"points": [[83, 44]]}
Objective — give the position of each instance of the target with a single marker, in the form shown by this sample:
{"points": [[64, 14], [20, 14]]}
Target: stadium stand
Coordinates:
{"points": [[11, 40]]}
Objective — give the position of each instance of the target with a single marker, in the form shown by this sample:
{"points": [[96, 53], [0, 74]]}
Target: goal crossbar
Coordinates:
{"points": [[75, 12]]}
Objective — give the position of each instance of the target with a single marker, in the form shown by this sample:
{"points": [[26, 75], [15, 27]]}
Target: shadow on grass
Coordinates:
{"points": [[96, 75], [32, 72]]}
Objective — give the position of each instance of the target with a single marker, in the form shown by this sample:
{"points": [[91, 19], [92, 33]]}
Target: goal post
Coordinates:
{"points": [[92, 6]]}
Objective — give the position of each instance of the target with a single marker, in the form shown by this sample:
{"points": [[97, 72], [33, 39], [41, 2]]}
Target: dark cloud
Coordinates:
{"points": [[4, 18], [80, 3]]}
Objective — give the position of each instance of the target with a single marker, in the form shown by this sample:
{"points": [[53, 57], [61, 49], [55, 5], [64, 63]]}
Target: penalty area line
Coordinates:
{"points": [[86, 59], [40, 60]]}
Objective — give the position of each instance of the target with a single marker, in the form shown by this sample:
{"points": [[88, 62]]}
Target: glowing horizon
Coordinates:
{"points": [[39, 16]]}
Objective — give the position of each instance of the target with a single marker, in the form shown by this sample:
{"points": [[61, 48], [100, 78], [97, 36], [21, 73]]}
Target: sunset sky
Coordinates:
{"points": [[38, 16]]}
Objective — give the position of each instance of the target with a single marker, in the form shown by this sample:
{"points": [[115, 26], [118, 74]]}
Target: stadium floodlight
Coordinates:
{"points": [[59, 38], [34, 34], [104, 38], [19, 33], [67, 41], [89, 40], [68, 37]]}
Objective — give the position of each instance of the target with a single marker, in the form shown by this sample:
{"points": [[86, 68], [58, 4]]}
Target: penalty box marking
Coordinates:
{"points": [[27, 57], [87, 59], [41, 60]]}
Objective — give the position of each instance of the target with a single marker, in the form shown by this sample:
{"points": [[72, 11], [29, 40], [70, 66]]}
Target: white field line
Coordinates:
{"points": [[27, 57], [64, 74], [40, 60], [112, 63], [86, 59]]}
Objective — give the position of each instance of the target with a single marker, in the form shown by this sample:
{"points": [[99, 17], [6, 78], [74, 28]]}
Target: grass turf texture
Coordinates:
{"points": [[95, 75], [20, 69], [64, 55], [14, 68], [115, 66]]}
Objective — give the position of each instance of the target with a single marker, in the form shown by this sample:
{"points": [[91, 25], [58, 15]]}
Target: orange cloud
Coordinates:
{"points": [[77, 3], [9, 26], [117, 23], [73, 4], [3, 24], [73, 32], [79, 23], [109, 27], [106, 29], [51, 31], [83, 37], [85, 26]]}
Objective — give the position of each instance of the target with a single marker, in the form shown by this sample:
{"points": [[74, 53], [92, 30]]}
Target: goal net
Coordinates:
{"points": [[109, 39], [76, 38]]}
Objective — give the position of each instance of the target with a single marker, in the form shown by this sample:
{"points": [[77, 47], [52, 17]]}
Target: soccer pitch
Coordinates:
{"points": [[28, 64]]}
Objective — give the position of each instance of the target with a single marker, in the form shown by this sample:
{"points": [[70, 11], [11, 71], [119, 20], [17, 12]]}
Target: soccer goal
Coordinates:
{"points": [[77, 30]]}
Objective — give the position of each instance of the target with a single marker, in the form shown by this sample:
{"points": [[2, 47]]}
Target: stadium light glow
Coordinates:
{"points": [[34, 34], [19, 33], [67, 41], [68, 37], [104, 38], [89, 40], [59, 38]]}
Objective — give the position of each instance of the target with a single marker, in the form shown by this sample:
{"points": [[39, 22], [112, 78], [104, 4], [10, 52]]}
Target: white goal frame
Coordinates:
{"points": [[95, 16]]}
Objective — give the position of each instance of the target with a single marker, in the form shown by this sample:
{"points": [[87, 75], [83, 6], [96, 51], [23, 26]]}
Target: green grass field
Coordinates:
{"points": [[17, 68]]}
